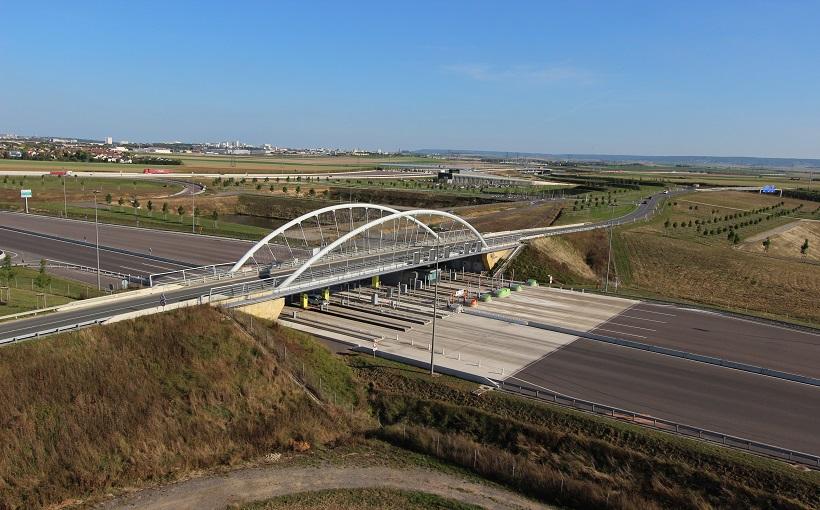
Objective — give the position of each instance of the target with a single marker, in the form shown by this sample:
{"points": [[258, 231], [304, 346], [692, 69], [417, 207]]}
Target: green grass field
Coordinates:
{"points": [[22, 293]]}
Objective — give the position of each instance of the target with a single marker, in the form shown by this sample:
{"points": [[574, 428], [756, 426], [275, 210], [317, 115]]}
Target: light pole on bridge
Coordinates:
{"points": [[435, 306]]}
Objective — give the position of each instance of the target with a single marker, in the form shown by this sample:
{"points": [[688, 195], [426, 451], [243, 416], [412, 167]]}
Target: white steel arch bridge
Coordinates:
{"points": [[346, 242]]}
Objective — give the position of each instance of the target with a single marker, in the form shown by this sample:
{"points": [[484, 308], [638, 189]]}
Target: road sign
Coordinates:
{"points": [[25, 193], [769, 188]]}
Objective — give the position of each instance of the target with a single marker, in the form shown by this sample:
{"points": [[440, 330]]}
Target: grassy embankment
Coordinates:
{"points": [[151, 400], [23, 294], [140, 402], [360, 499], [667, 258]]}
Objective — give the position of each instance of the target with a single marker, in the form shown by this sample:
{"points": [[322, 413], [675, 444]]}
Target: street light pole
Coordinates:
{"points": [[193, 210], [97, 231], [65, 200], [609, 255], [435, 306]]}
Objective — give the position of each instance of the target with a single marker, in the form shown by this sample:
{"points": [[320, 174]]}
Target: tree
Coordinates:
{"points": [[215, 217], [766, 243], [312, 192], [666, 224], [108, 199], [298, 189], [284, 189], [121, 202], [150, 206], [43, 279], [804, 248], [165, 210], [181, 212], [7, 270]]}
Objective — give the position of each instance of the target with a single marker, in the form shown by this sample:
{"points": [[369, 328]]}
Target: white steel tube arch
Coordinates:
{"points": [[384, 219], [292, 223]]}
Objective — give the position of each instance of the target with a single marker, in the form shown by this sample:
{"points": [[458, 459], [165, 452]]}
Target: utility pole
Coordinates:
{"points": [[97, 230], [435, 305]]}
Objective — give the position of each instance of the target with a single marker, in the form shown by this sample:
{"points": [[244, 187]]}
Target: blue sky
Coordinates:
{"points": [[658, 78]]}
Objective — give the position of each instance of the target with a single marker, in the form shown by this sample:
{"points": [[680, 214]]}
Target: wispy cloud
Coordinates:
{"points": [[521, 74]]}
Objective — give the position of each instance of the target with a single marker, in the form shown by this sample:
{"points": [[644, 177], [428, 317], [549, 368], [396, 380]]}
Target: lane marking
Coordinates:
{"points": [[620, 332], [644, 319], [650, 311], [628, 326]]}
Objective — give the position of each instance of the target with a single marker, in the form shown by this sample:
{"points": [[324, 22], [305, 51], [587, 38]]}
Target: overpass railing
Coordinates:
{"points": [[645, 420]]}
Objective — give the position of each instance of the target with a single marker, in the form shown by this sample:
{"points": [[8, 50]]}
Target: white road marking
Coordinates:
{"points": [[650, 311], [644, 319], [620, 332], [628, 326]]}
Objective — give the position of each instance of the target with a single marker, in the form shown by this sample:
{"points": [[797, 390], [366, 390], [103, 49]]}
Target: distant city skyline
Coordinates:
{"points": [[701, 78]]}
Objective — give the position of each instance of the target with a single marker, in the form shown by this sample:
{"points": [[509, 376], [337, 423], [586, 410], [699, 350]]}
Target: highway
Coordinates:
{"points": [[186, 248], [747, 405]]}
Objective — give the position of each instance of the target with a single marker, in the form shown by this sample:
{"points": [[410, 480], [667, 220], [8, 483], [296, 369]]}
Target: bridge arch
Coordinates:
{"points": [[315, 214], [412, 215]]}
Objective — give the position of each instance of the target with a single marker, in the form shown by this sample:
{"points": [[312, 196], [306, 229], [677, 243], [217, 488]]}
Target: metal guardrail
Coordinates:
{"points": [[52, 331], [201, 274], [710, 360], [749, 445]]}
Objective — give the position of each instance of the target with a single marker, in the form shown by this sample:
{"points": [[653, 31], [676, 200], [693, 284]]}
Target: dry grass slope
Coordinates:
{"points": [[143, 401]]}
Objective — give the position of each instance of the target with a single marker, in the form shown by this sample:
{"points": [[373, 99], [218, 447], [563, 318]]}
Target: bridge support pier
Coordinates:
{"points": [[491, 259], [265, 310]]}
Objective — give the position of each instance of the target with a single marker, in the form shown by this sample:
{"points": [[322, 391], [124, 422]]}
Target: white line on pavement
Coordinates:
{"points": [[620, 332], [628, 326]]}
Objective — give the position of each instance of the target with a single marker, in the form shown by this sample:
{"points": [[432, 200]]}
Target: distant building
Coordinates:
{"points": [[109, 140], [156, 150]]}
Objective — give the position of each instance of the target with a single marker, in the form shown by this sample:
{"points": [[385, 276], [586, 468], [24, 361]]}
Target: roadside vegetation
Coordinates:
{"points": [[155, 399], [697, 250], [23, 289], [360, 499]]}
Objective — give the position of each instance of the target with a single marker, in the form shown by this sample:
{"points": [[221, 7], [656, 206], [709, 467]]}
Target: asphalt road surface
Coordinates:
{"points": [[32, 247], [197, 250], [718, 335], [747, 405]]}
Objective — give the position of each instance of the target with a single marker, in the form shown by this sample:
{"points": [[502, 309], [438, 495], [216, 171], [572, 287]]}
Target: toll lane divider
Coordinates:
{"points": [[665, 351]]}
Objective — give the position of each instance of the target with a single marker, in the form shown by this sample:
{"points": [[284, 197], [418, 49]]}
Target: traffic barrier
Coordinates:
{"points": [[644, 420]]}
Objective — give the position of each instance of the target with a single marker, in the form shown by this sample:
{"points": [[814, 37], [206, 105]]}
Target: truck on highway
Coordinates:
{"points": [[61, 173], [156, 171]]}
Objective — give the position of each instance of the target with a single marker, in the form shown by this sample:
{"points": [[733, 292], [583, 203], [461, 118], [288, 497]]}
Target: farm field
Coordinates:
{"points": [[225, 164]]}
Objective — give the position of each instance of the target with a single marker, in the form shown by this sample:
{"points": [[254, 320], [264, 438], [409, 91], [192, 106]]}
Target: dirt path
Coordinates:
{"points": [[772, 232], [219, 491]]}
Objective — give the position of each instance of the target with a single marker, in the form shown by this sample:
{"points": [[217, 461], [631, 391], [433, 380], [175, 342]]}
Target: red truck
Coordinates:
{"points": [[61, 173], [156, 171]]}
